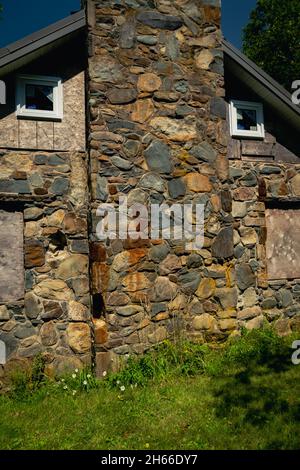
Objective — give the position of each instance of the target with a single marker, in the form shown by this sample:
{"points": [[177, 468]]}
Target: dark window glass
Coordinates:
{"points": [[246, 119], [39, 97]]}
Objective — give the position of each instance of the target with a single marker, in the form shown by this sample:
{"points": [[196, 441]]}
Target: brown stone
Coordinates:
{"points": [[73, 266], [178, 130], [97, 252], [77, 311], [198, 183], [206, 289], [164, 289], [205, 322], [48, 334], [79, 337], [295, 184], [116, 299], [222, 246], [204, 59], [228, 324], [34, 254], [149, 82], [249, 313], [136, 281], [244, 194], [100, 331], [53, 289], [142, 110]]}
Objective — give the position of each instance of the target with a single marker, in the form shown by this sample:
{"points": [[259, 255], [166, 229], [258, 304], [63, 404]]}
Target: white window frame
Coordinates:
{"points": [[234, 131], [56, 82]]}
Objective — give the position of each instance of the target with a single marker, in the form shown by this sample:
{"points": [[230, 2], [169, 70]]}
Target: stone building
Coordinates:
{"points": [[143, 99]]}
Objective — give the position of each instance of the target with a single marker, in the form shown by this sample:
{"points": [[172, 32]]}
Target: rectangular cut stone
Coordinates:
{"points": [[11, 256], [283, 243]]}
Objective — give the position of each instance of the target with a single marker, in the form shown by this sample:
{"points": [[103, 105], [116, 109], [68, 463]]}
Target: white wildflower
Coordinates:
{"points": [[122, 388], [104, 373], [84, 382], [66, 387], [74, 376], [89, 376], [118, 382], [76, 370]]}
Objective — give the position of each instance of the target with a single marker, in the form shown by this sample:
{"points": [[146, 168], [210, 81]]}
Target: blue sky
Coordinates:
{"points": [[22, 17]]}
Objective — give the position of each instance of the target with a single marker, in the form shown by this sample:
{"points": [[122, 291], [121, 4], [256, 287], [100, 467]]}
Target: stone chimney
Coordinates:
{"points": [[157, 135]]}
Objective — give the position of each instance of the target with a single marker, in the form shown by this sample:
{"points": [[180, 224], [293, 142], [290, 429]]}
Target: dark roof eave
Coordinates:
{"points": [[262, 77], [42, 38]]}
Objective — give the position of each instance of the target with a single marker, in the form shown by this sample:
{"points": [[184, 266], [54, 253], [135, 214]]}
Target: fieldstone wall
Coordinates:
{"points": [[158, 135], [258, 188], [48, 192]]}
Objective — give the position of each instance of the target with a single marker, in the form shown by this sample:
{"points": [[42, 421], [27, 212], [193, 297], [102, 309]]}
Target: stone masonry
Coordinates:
{"points": [[157, 134]]}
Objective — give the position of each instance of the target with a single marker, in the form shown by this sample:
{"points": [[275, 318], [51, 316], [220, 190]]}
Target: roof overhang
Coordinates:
{"points": [[21, 52], [262, 84]]}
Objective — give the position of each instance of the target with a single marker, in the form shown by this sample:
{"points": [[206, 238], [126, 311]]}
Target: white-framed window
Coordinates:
{"points": [[39, 97], [246, 119]]}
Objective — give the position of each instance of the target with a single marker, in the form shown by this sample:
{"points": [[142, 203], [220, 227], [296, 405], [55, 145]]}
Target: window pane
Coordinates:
{"points": [[246, 119], [39, 97]]}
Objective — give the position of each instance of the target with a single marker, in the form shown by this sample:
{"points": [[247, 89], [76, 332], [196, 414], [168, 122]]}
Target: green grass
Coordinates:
{"points": [[246, 396]]}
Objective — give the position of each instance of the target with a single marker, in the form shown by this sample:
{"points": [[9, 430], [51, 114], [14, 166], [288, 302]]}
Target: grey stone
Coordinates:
{"points": [[189, 282], [127, 33], [32, 213], [286, 298], [184, 110], [235, 172], [60, 186], [153, 182], [218, 107], [159, 252], [204, 152], [182, 86], [177, 188], [250, 179], [101, 188], [131, 148], [270, 170], [22, 332], [227, 297], [11, 343], [122, 95], [56, 160], [41, 159], [36, 180], [194, 261], [14, 186], [158, 308], [33, 305], [121, 163], [31, 351], [158, 157], [172, 48], [79, 246], [222, 246], [244, 276], [269, 303], [159, 21], [148, 40]]}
